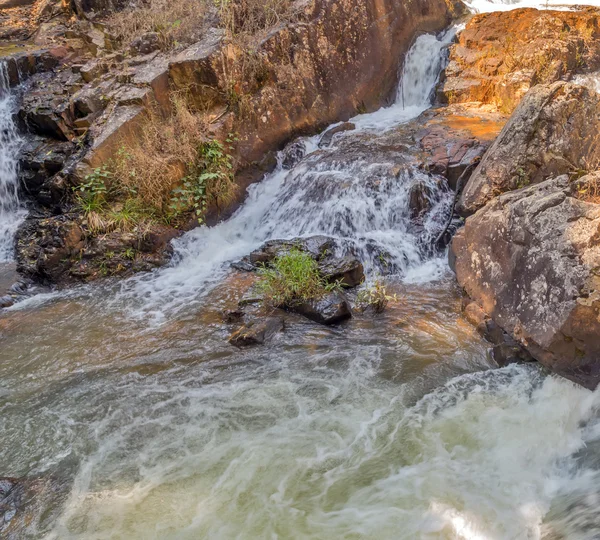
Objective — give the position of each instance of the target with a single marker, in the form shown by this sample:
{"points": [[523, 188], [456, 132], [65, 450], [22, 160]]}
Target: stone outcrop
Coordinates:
{"points": [[61, 250], [530, 261], [500, 56], [553, 131], [303, 67]]}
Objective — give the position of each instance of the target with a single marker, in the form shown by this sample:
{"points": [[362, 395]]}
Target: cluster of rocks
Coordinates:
{"points": [[528, 255], [332, 308]]}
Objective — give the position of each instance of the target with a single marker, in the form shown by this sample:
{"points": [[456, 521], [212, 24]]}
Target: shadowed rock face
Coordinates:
{"points": [[553, 131], [531, 261], [500, 56]]}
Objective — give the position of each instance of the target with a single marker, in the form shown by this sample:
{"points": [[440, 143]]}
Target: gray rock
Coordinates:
{"points": [[553, 131], [531, 260]]}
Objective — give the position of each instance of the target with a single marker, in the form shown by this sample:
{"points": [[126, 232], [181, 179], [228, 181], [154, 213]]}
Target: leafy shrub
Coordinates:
{"points": [[92, 193], [375, 297], [210, 181], [291, 279]]}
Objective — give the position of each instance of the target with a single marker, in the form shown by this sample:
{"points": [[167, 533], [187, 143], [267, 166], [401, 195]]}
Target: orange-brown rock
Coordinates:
{"points": [[500, 56], [343, 57]]}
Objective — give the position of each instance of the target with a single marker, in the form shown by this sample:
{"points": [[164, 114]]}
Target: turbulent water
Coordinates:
{"points": [[10, 142], [143, 423]]}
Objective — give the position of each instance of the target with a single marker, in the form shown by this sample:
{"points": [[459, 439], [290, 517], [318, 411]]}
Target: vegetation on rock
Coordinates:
{"points": [[293, 278]]}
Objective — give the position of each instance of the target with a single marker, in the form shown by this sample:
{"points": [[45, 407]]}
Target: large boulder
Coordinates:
{"points": [[552, 132], [501, 55], [531, 260]]}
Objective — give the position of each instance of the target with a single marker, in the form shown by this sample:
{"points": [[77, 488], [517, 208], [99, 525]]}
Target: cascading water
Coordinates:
{"points": [[378, 430], [354, 191], [10, 212]]}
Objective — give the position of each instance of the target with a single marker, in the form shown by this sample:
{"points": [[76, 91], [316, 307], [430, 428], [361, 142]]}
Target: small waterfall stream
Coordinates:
{"points": [[390, 427], [356, 190], [10, 212]]}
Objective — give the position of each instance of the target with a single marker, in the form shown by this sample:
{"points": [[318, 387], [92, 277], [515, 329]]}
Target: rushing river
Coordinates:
{"points": [[128, 403]]}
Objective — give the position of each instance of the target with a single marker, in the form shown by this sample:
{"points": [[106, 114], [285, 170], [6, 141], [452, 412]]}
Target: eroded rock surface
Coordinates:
{"points": [[530, 260], [500, 56], [553, 131]]}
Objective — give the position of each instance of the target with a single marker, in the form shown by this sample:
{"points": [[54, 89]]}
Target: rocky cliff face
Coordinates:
{"points": [[500, 56], [553, 131]]}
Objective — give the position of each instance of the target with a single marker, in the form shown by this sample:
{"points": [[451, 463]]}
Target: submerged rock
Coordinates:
{"points": [[530, 260], [553, 131], [256, 332]]}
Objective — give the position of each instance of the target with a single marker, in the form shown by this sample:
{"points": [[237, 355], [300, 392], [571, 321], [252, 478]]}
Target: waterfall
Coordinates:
{"points": [[356, 190], [10, 212]]}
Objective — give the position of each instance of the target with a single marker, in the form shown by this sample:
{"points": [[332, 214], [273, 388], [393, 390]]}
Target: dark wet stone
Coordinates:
{"points": [[330, 133], [317, 246], [333, 308], [348, 270], [6, 301], [256, 333], [510, 352], [243, 266], [293, 154]]}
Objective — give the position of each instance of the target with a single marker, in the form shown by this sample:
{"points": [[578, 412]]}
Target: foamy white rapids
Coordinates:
{"points": [[325, 454], [11, 214], [352, 199]]}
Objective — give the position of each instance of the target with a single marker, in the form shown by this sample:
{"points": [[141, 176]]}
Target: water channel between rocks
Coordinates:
{"points": [[139, 420]]}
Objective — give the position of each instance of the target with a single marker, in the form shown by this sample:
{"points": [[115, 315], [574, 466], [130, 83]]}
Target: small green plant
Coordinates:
{"points": [[293, 278], [375, 297], [93, 192], [211, 180], [130, 253]]}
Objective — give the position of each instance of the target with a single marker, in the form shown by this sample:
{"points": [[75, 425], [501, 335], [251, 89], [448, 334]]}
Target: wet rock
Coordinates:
{"points": [[5, 302], [501, 55], [552, 132], [510, 352], [257, 333], [316, 246], [348, 271], [333, 308], [422, 196], [40, 160], [530, 260], [243, 266], [293, 154], [327, 137], [45, 246]]}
